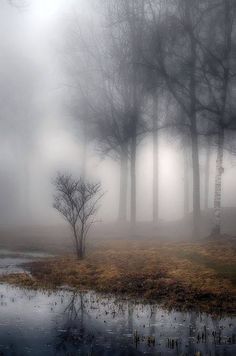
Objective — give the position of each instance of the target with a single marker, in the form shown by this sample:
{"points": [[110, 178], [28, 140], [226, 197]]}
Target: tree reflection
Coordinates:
{"points": [[73, 334]]}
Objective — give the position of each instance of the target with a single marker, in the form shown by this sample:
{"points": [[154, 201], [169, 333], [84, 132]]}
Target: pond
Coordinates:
{"points": [[66, 322], [12, 261]]}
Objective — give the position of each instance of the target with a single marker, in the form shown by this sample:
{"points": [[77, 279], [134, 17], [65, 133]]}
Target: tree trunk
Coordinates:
{"points": [[218, 183], [220, 144], [193, 129], [207, 176], [135, 108], [84, 150], [123, 185], [196, 187], [133, 179], [25, 204], [186, 182], [133, 149], [155, 159], [79, 248]]}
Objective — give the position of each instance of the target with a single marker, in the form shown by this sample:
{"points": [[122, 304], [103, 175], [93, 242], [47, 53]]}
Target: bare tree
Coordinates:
{"points": [[112, 138], [218, 66], [78, 63], [106, 84], [173, 53], [101, 112], [126, 25], [77, 201]]}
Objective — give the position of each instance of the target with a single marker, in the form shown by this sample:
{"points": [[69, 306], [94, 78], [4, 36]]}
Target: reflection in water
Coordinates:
{"points": [[69, 323], [73, 332]]}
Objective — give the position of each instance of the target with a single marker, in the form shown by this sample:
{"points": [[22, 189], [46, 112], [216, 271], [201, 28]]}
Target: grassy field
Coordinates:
{"points": [[179, 275]]}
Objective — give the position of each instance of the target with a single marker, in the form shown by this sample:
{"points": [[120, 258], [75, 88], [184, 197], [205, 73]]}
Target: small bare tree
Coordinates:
{"points": [[77, 201]]}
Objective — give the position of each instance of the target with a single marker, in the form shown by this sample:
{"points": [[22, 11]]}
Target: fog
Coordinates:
{"points": [[39, 136], [117, 177]]}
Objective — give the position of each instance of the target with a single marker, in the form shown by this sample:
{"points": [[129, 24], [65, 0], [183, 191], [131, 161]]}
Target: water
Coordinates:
{"points": [[65, 322], [69, 323], [12, 261]]}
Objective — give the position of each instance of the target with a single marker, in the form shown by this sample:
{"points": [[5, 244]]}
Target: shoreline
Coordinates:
{"points": [[214, 305], [182, 276]]}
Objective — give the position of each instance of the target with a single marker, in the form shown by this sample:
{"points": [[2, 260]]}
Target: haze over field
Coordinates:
{"points": [[39, 135]]}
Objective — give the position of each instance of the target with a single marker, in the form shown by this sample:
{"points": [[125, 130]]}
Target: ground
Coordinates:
{"points": [[178, 275]]}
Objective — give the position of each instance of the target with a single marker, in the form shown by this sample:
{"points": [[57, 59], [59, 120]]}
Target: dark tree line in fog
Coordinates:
{"points": [[137, 69], [149, 66]]}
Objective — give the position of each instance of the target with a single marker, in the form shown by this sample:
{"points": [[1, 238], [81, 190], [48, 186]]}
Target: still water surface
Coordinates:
{"points": [[70, 323]]}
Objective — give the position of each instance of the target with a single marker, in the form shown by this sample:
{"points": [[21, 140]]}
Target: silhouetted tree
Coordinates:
{"points": [[173, 53], [81, 81], [112, 139], [219, 69], [107, 85], [126, 21], [77, 201]]}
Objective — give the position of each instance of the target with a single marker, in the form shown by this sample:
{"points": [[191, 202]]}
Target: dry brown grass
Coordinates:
{"points": [[180, 275]]}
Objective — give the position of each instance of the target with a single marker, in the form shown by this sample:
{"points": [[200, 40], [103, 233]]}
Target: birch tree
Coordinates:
{"points": [[219, 68]]}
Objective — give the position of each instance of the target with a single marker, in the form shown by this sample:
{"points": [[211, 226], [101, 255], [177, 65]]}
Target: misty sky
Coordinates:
{"points": [[42, 137]]}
